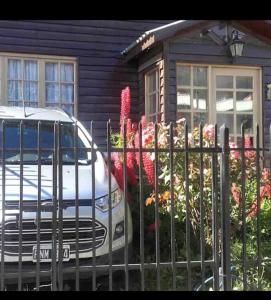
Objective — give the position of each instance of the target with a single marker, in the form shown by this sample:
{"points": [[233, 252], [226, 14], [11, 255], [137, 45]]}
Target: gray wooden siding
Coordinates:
{"points": [[97, 45], [194, 49]]}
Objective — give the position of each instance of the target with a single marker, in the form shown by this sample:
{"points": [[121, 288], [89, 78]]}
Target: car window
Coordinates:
{"points": [[30, 142]]}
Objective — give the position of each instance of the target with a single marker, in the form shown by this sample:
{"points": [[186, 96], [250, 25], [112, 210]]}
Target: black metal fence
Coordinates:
{"points": [[65, 226]]}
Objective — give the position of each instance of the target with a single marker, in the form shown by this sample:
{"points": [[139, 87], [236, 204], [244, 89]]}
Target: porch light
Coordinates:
{"points": [[236, 45]]}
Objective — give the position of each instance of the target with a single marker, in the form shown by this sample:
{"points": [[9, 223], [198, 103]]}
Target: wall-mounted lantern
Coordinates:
{"points": [[236, 45]]}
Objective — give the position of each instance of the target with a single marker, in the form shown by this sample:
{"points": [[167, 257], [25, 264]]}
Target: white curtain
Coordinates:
{"points": [[14, 83], [31, 81], [22, 85], [52, 86], [67, 72]]}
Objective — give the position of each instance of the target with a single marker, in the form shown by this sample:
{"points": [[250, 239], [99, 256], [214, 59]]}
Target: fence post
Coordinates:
{"points": [[225, 209]]}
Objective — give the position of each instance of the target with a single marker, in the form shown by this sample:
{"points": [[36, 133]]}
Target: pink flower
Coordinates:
{"points": [[148, 139], [235, 193], [125, 104], [234, 154], [117, 170], [209, 132], [130, 168], [265, 174], [248, 143], [148, 167]]}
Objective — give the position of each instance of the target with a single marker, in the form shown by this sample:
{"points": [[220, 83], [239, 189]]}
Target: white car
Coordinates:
{"points": [[11, 117]]}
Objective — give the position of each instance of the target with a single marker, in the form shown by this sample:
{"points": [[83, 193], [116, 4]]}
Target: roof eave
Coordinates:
{"points": [[157, 35]]}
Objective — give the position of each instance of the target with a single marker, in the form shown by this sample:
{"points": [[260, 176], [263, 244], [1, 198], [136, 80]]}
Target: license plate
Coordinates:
{"points": [[46, 253]]}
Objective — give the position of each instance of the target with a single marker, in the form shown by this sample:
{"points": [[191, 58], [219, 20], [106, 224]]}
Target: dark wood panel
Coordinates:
{"points": [[74, 28], [96, 44]]}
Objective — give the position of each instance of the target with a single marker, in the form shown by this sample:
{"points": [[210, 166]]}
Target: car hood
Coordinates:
{"points": [[30, 182]]}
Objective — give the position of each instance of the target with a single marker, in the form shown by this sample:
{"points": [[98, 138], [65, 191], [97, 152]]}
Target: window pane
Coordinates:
{"points": [[226, 119], [31, 91], [244, 101], [14, 90], [151, 105], [248, 123], [224, 82], [186, 116], [224, 101], [51, 71], [184, 99], [183, 75], [199, 118], [30, 70], [244, 82], [200, 76], [200, 99], [67, 92], [151, 82], [67, 72], [52, 92], [14, 69]]}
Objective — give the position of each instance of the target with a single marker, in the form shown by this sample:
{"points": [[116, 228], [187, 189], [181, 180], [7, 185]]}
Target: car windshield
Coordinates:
{"points": [[30, 144]]}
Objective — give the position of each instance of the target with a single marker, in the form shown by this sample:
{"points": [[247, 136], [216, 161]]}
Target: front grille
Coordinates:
{"points": [[86, 240]]}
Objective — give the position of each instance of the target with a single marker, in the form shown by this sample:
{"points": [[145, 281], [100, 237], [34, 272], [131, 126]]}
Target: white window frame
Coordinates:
{"points": [[148, 94], [236, 70], [41, 60]]}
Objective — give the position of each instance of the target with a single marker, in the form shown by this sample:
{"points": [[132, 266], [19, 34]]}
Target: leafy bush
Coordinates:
{"points": [[198, 187]]}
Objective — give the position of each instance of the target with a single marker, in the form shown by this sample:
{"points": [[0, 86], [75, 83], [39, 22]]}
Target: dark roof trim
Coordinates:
{"points": [[158, 34], [261, 29]]}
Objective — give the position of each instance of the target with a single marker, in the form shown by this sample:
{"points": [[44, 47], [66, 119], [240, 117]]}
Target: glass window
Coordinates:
{"points": [[59, 85], [30, 138], [38, 82], [192, 94], [22, 82], [226, 97], [152, 103]]}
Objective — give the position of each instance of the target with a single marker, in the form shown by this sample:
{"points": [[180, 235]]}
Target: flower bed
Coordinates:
{"points": [[199, 183]]}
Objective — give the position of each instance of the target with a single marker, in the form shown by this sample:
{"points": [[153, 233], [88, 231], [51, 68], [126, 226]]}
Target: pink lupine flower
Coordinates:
{"points": [[148, 167], [117, 170], [125, 103]]}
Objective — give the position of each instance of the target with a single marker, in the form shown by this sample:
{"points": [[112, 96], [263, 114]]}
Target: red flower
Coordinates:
{"points": [[117, 170], [248, 143], [125, 103], [148, 139], [137, 146], [250, 154], [265, 191], [234, 154], [148, 167], [235, 193], [209, 132], [125, 107], [130, 168], [265, 174], [253, 210]]}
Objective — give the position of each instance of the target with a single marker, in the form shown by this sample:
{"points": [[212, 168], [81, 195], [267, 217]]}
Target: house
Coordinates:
{"points": [[175, 69]]}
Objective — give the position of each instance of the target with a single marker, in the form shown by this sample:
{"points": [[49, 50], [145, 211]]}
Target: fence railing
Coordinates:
{"points": [[66, 223]]}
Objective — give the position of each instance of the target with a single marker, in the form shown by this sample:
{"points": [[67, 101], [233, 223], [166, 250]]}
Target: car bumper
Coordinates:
{"points": [[86, 268]]}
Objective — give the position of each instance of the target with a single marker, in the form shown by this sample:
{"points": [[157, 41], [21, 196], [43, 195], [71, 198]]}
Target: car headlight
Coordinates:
{"points": [[103, 202]]}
